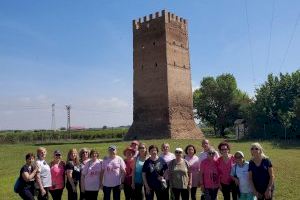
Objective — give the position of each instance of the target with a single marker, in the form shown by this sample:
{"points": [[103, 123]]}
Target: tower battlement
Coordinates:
{"points": [[164, 15]]}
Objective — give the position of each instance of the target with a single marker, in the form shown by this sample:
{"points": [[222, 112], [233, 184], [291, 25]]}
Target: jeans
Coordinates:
{"points": [[246, 196], [56, 194], [91, 195], [184, 193], [226, 189], [160, 194], [116, 192], [193, 193], [82, 196], [27, 193], [210, 193]]}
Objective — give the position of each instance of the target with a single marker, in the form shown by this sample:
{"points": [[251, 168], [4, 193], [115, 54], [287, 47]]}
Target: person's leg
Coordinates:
{"points": [[185, 194], [214, 194], [150, 196], [138, 192], [234, 190], [116, 192], [128, 192], [176, 193], [26, 194], [226, 191], [106, 193], [207, 194], [193, 193]]}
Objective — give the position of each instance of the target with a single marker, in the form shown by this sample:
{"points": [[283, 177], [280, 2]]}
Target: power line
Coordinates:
{"points": [[250, 44], [290, 42], [270, 38]]}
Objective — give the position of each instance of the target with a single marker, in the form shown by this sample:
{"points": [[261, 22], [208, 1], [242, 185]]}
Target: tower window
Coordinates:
{"points": [[153, 43], [143, 46], [142, 67], [155, 64], [174, 63]]}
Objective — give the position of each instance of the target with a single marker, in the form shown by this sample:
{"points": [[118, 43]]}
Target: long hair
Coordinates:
{"points": [[69, 157], [260, 148]]}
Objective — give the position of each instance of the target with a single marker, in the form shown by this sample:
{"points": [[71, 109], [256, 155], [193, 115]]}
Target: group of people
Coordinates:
{"points": [[145, 173]]}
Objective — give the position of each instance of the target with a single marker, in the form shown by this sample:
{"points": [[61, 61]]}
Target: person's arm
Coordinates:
{"points": [[82, 183], [133, 174], [268, 192], [190, 177], [70, 179], [27, 177], [146, 183], [252, 184], [201, 181], [39, 181]]}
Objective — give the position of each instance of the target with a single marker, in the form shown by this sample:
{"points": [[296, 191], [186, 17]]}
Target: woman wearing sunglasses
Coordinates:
{"points": [[73, 174], [209, 176], [180, 176], [43, 177], [261, 175], [137, 179], [84, 157], [57, 169], [239, 173], [225, 163]]}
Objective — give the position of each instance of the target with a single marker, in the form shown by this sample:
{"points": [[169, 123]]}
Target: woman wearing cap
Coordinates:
{"points": [[239, 173], [209, 176], [154, 170], [129, 162], [84, 157], [112, 174], [27, 178], [193, 161], [137, 178], [225, 163], [43, 177], [73, 174], [206, 146], [261, 174], [57, 168], [179, 176], [90, 176]]}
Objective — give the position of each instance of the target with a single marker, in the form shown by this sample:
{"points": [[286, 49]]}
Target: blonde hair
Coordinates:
{"points": [[39, 150], [81, 152], [146, 149], [71, 151], [260, 148]]}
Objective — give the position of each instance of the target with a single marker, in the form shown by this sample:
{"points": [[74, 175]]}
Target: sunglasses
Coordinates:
{"points": [[57, 154], [178, 152], [254, 148], [238, 157], [211, 153], [224, 149], [141, 147]]}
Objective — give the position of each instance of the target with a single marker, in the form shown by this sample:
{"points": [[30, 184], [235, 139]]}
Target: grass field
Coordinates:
{"points": [[285, 158]]}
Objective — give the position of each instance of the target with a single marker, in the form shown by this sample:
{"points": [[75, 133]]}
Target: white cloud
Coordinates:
{"points": [[112, 103]]}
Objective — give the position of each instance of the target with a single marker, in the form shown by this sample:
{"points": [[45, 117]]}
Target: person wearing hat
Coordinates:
{"points": [[209, 176], [180, 176], [57, 169], [239, 174], [112, 174], [129, 162]]}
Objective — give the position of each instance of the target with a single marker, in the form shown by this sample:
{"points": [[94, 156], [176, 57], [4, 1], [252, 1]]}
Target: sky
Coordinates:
{"points": [[79, 53]]}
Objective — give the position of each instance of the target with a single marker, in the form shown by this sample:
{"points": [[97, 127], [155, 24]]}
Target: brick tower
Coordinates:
{"points": [[162, 90]]}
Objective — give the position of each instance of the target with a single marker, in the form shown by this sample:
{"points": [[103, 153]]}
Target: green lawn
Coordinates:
{"points": [[285, 158]]}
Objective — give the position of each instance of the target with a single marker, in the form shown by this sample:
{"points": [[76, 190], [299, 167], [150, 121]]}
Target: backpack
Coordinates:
{"points": [[17, 185]]}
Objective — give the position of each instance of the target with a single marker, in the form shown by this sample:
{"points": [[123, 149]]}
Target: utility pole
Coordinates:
{"points": [[53, 128], [68, 108]]}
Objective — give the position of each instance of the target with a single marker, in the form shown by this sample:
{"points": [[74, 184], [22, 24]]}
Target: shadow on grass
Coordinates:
{"points": [[48, 143]]}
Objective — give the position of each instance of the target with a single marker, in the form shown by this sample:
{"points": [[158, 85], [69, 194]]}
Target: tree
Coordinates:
{"points": [[218, 101], [276, 106]]}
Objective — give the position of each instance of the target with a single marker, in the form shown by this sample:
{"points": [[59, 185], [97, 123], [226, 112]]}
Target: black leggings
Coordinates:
{"points": [[227, 189], [56, 194], [193, 193], [45, 197], [71, 195], [184, 193], [91, 195]]}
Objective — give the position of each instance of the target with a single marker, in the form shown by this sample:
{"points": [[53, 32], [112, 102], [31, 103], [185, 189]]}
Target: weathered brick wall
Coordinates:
{"points": [[162, 91]]}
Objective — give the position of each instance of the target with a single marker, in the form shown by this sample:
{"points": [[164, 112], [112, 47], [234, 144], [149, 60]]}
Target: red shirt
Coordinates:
{"points": [[129, 171], [224, 169], [210, 174]]}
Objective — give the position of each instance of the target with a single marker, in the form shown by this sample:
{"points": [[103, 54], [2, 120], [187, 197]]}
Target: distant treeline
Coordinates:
{"points": [[57, 136]]}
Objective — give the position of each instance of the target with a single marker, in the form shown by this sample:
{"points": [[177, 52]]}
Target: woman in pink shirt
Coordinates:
{"points": [[225, 163], [193, 161], [90, 176], [209, 176], [57, 169]]}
